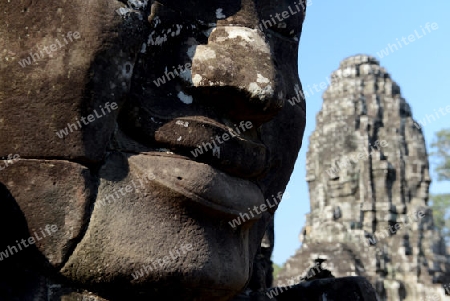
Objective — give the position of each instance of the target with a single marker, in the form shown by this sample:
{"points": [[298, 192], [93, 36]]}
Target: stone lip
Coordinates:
{"points": [[201, 183], [240, 155]]}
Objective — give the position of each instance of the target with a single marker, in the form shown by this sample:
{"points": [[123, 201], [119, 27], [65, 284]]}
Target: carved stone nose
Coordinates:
{"points": [[237, 62]]}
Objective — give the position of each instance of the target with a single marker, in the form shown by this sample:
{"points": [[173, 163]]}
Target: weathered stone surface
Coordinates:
{"points": [[118, 252], [129, 53], [59, 87], [44, 197], [368, 173], [339, 289]]}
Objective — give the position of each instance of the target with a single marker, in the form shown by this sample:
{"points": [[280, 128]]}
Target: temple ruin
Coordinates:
{"points": [[368, 176]]}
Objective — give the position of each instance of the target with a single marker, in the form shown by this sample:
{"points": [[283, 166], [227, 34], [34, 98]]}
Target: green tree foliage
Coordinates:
{"points": [[441, 202], [441, 213], [441, 152], [276, 270]]}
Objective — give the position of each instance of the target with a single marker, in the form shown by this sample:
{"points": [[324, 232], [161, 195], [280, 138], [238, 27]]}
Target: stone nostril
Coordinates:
{"points": [[237, 103]]}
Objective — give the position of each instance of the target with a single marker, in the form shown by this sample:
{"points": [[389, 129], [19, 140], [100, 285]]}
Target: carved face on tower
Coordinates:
{"points": [[202, 134]]}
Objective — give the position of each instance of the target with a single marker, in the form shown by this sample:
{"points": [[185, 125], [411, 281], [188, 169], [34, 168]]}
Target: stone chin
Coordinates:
{"points": [[169, 231]]}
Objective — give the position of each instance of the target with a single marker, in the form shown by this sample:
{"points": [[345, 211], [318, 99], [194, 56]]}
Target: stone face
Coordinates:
{"points": [[137, 88], [368, 176]]}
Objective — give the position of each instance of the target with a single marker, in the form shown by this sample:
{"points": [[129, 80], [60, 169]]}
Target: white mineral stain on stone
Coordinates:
{"points": [[221, 39], [256, 90], [242, 32], [205, 53], [216, 83], [219, 14], [197, 79], [250, 38], [253, 87], [179, 138], [187, 99], [123, 11], [182, 123], [262, 79]]}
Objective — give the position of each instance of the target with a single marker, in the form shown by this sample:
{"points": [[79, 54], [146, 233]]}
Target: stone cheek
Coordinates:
{"points": [[44, 197], [67, 84]]}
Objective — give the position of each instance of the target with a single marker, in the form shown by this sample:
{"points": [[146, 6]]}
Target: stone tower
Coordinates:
{"points": [[368, 176]]}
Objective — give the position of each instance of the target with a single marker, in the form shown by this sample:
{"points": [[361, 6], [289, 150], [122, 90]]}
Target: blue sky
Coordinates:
{"points": [[334, 30]]}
